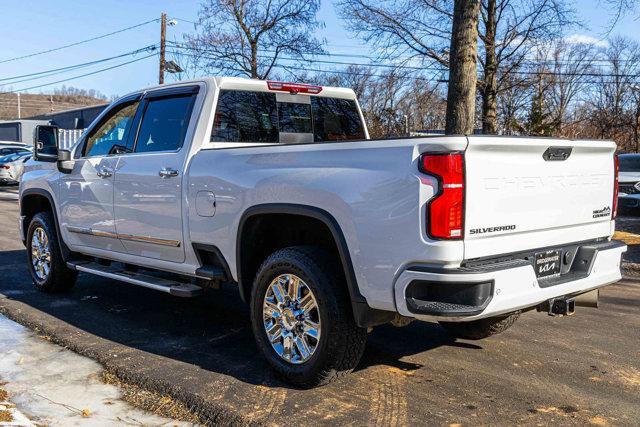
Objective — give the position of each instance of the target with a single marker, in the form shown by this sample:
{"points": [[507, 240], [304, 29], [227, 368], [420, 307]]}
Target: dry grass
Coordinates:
{"points": [[5, 416], [159, 404], [628, 238]]}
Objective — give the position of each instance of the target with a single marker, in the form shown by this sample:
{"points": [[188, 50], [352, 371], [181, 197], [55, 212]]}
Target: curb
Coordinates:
{"points": [[70, 337]]}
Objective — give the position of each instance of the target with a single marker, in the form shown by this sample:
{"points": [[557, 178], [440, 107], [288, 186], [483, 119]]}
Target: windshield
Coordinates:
{"points": [[245, 116], [14, 157], [629, 163]]}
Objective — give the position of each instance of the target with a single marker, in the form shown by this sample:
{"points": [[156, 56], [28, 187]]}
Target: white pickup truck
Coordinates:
{"points": [[277, 189]]}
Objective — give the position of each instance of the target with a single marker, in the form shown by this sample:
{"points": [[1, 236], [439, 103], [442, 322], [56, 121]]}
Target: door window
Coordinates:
{"points": [[164, 124], [112, 132]]}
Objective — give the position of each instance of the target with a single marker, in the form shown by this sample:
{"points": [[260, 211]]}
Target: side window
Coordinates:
{"points": [[164, 124], [336, 119], [112, 131], [243, 116]]}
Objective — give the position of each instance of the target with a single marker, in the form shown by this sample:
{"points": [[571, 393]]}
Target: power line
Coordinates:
{"points": [[54, 71], [305, 68], [184, 20], [428, 79], [416, 68], [81, 75], [587, 62], [79, 42]]}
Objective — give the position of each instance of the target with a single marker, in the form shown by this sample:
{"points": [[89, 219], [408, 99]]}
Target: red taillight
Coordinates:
{"points": [[616, 168], [5, 167], [445, 212], [294, 87]]}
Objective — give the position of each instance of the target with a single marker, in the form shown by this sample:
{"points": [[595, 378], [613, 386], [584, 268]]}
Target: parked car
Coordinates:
{"points": [[12, 167], [6, 149], [629, 180], [277, 189]]}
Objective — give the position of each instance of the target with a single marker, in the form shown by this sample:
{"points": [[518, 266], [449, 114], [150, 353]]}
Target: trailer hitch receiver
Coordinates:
{"points": [[559, 307]]}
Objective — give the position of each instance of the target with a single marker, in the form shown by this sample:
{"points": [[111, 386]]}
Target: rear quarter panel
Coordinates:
{"points": [[372, 189]]}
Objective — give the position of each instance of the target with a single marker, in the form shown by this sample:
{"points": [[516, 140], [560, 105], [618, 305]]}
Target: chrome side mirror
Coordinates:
{"points": [[65, 161]]}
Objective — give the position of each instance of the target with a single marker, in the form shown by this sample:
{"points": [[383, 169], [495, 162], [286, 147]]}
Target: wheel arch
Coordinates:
{"points": [[299, 211], [36, 200], [364, 315]]}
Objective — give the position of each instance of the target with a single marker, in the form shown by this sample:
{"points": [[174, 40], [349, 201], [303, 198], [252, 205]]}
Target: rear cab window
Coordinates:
{"points": [[265, 117]]}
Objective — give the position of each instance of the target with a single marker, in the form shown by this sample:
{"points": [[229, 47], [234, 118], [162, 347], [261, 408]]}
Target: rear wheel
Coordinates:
{"points": [[301, 317], [483, 328], [46, 265]]}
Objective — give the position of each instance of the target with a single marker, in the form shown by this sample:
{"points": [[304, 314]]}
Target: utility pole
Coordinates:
{"points": [[163, 34], [51, 100], [19, 115]]}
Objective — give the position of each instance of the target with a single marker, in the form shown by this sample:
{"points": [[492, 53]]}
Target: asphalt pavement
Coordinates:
{"points": [[583, 369]]}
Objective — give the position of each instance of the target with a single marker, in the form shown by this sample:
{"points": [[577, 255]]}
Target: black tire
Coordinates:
{"points": [[483, 328], [341, 342], [60, 277]]}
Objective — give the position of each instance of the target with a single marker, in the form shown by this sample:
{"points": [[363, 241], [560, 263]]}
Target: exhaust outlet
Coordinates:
{"points": [[588, 299]]}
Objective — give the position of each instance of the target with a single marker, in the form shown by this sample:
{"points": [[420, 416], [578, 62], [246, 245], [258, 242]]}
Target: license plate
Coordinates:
{"points": [[547, 264]]}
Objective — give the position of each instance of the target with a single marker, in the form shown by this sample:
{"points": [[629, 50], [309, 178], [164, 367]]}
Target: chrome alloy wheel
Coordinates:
{"points": [[40, 253], [291, 318]]}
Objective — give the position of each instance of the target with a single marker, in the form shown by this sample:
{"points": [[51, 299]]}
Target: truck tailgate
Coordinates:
{"points": [[521, 194]]}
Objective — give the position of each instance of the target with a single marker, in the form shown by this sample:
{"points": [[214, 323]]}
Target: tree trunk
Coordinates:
{"points": [[636, 126], [489, 92], [254, 60], [461, 94]]}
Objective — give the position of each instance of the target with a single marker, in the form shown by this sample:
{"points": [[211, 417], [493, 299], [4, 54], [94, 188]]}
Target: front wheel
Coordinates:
{"points": [[483, 328], [46, 265], [302, 319]]}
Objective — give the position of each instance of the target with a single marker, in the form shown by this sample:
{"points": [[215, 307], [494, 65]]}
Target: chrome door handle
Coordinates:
{"points": [[104, 172], [167, 173]]}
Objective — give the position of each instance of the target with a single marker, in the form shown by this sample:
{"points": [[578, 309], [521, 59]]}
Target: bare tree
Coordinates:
{"points": [[424, 104], [358, 78], [617, 10], [612, 100], [509, 30], [252, 37], [402, 29], [513, 101], [572, 68], [461, 93]]}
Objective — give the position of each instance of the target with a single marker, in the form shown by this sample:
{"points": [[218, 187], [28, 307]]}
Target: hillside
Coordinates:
{"points": [[35, 104]]}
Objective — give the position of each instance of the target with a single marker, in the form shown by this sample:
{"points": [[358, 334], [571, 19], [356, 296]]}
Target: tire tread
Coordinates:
{"points": [[483, 328], [347, 345], [61, 278]]}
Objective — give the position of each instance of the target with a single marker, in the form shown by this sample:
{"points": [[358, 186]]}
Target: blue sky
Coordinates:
{"points": [[42, 25]]}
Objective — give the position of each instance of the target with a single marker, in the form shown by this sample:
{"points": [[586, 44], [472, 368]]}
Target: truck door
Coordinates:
{"points": [[86, 194], [149, 179]]}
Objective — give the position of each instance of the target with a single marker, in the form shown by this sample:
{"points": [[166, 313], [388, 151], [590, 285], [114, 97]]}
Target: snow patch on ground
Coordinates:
{"points": [[54, 386]]}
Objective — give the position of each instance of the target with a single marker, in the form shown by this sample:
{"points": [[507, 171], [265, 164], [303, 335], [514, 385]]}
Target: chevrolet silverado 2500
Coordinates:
{"points": [[276, 188]]}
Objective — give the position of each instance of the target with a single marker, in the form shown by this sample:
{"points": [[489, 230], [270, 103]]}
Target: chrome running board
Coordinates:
{"points": [[172, 287]]}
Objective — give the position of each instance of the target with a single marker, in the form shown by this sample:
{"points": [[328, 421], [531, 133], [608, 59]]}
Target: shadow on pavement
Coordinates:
{"points": [[211, 332]]}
